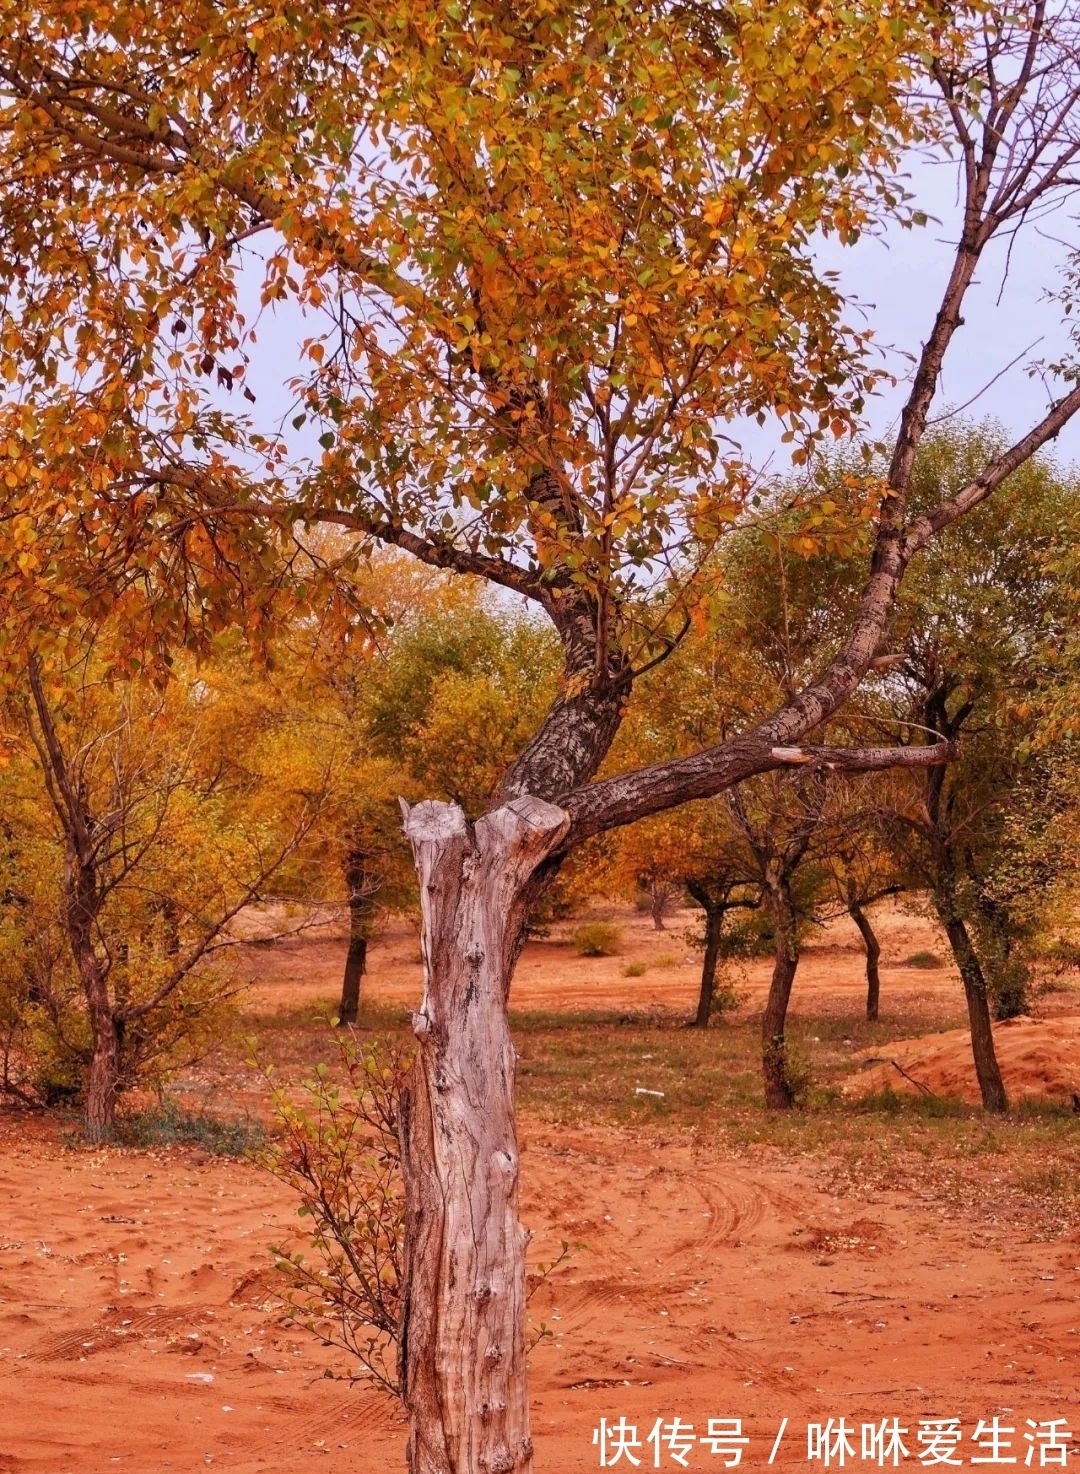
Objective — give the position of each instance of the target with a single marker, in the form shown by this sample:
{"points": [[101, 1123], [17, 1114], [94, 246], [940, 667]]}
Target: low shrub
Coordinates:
{"points": [[596, 939], [339, 1152], [925, 960]]}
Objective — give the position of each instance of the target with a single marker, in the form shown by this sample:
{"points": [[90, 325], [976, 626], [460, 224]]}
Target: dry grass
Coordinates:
{"points": [[579, 1068]]}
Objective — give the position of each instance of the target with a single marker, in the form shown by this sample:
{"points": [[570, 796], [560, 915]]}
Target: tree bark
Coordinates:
{"points": [[462, 1347], [82, 908], [363, 880], [103, 1079], [355, 967], [714, 926], [779, 1091], [991, 1085], [658, 898], [873, 956], [103, 1076]]}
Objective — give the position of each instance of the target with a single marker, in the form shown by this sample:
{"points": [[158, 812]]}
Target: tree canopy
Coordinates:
{"points": [[542, 258]]}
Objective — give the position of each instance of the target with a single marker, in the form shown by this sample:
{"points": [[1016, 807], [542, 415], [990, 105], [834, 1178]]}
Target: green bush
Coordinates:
{"points": [[596, 939], [923, 959], [635, 970], [726, 998]]}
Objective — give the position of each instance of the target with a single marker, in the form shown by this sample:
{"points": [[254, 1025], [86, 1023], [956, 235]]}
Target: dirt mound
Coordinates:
{"points": [[1039, 1058]]}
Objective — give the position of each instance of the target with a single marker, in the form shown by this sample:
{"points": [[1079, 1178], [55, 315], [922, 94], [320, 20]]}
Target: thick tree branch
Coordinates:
{"points": [[631, 796]]}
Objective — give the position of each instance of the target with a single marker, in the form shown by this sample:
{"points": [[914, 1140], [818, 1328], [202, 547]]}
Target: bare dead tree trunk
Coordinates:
{"points": [[987, 1069], [462, 1347], [873, 954], [779, 1092]]}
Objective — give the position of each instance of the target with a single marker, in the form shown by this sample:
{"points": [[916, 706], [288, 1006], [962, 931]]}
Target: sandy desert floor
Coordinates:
{"points": [[141, 1330]]}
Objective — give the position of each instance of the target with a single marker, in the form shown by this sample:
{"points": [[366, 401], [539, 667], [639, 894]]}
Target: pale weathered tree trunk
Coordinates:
{"points": [[462, 1348], [779, 1091]]}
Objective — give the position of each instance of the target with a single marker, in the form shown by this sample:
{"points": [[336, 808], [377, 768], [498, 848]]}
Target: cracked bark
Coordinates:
{"points": [[462, 1348]]}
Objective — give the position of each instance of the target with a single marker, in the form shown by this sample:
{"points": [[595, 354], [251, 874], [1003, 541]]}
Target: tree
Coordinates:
{"points": [[558, 251], [410, 719], [864, 871], [717, 893], [456, 695], [978, 638], [692, 850], [147, 848], [369, 846], [780, 818]]}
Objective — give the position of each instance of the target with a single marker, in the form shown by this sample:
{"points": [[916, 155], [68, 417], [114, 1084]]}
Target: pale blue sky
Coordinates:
{"points": [[898, 280]]}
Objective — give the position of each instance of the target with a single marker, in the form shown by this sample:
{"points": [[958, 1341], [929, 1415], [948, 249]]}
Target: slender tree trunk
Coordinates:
{"points": [[779, 1092], [991, 1085], [462, 1348], [714, 926], [363, 883], [658, 898], [81, 905], [355, 967], [873, 956], [103, 1076]]}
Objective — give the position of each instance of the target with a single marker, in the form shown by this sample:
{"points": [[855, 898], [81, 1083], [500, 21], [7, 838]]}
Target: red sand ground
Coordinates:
{"points": [[138, 1330]]}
